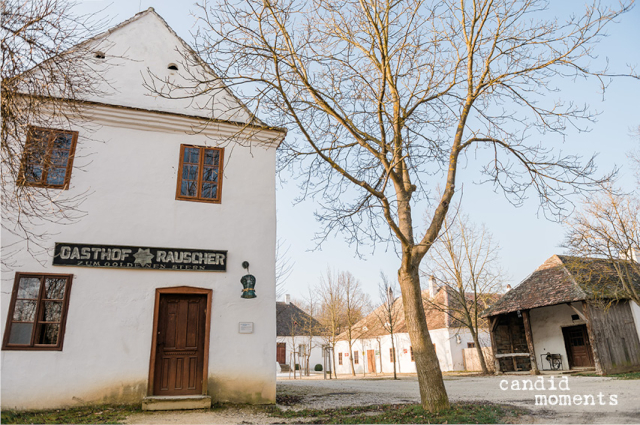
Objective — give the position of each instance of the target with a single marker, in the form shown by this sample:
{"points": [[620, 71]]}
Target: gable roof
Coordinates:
{"points": [[372, 325], [145, 45], [563, 279], [291, 320]]}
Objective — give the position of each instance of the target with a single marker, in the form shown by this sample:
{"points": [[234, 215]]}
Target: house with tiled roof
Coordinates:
{"points": [[570, 313], [299, 338], [372, 350]]}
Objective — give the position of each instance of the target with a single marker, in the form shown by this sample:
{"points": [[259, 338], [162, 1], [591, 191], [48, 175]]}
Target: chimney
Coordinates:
{"points": [[287, 299], [433, 288]]}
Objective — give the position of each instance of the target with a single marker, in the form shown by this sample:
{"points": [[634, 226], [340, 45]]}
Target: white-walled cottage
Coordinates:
{"points": [[372, 350], [299, 338], [143, 297]]}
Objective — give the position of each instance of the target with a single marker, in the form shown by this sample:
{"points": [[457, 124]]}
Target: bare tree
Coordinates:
{"points": [[310, 327], [356, 305], [331, 309], [465, 260], [389, 313], [386, 96], [46, 70], [608, 227]]}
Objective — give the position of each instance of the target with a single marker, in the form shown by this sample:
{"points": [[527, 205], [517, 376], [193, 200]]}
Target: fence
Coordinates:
{"points": [[472, 361]]}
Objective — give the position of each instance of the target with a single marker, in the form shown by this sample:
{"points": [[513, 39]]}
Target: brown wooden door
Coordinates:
{"points": [[371, 357], [180, 344], [281, 352], [578, 348]]}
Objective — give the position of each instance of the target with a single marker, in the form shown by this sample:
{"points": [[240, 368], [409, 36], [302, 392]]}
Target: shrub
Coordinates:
{"points": [[318, 368], [297, 366]]}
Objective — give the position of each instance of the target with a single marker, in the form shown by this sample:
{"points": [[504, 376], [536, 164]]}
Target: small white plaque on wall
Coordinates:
{"points": [[245, 327]]}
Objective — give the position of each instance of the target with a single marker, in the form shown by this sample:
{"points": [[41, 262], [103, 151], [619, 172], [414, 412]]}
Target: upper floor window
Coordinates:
{"points": [[37, 312], [200, 174], [48, 158]]}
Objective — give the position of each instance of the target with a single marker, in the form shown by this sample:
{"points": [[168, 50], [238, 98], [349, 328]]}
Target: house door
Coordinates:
{"points": [[578, 348], [281, 353], [180, 344], [371, 357]]}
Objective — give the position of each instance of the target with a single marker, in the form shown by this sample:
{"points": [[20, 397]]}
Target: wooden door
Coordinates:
{"points": [[281, 353], [180, 344], [371, 357], [578, 348]]}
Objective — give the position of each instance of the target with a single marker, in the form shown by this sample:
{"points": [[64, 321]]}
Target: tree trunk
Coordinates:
{"points": [[432, 391], [483, 363], [353, 370], [393, 348], [333, 359]]}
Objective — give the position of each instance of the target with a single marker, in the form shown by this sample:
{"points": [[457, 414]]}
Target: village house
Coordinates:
{"points": [[164, 292], [299, 338], [372, 348], [569, 314]]}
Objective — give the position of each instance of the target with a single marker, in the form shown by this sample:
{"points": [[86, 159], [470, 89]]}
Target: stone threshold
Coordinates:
{"points": [[186, 402]]}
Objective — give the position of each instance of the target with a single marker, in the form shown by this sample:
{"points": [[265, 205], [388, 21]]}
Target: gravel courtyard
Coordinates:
{"points": [[623, 408]]}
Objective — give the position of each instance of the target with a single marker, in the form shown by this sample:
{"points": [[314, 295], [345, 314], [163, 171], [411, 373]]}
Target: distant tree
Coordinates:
{"points": [[356, 306], [310, 327], [331, 309], [608, 227], [465, 260], [46, 70], [389, 313]]}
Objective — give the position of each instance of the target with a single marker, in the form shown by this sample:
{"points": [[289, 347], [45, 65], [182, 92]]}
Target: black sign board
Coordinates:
{"points": [[138, 257]]}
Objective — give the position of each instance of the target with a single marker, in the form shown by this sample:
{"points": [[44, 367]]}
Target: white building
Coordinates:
{"points": [[299, 338], [142, 297], [372, 349]]}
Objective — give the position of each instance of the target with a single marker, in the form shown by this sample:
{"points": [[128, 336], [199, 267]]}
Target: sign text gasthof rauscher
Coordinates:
{"points": [[138, 257]]}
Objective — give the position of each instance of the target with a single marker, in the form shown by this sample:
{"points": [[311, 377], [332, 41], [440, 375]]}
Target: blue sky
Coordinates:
{"points": [[525, 236]]}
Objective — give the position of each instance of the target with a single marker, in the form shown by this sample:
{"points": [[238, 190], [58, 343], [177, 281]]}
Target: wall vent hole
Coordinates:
{"points": [[173, 67], [99, 55]]}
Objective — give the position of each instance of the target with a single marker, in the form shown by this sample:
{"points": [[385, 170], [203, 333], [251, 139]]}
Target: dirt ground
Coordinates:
{"points": [[614, 401]]}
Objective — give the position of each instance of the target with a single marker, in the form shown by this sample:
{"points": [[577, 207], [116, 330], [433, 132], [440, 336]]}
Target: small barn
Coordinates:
{"points": [[569, 314]]}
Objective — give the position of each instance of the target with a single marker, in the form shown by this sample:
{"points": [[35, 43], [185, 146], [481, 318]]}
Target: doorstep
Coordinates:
{"points": [[184, 402]]}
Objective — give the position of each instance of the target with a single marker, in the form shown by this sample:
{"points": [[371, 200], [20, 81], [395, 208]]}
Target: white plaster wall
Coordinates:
{"points": [[316, 348], [546, 329], [448, 351], [146, 45], [455, 347], [131, 177]]}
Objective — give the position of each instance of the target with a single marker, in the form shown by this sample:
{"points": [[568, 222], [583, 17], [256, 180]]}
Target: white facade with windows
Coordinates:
{"points": [[164, 205], [448, 342]]}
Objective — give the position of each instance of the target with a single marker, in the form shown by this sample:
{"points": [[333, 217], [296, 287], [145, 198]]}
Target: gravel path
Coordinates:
{"points": [[324, 394], [623, 408]]}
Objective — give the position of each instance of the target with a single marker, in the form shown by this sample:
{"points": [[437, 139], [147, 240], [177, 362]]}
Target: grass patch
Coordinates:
{"points": [[628, 375], [101, 414], [470, 413]]}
